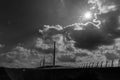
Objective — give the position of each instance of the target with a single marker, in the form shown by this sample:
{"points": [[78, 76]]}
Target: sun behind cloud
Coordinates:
{"points": [[87, 15]]}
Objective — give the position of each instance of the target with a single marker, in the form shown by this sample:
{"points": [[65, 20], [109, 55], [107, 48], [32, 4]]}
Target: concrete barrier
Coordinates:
{"points": [[95, 64], [99, 64], [109, 64], [82, 65], [85, 65], [91, 64], [104, 64], [88, 65], [116, 63]]}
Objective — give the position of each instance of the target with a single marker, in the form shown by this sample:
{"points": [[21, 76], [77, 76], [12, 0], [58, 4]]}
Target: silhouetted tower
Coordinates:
{"points": [[54, 53], [43, 61]]}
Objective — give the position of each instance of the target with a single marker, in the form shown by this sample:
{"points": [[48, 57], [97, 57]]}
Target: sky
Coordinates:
{"points": [[28, 29]]}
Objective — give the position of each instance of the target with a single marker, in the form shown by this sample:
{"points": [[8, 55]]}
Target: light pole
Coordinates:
{"points": [[54, 53]]}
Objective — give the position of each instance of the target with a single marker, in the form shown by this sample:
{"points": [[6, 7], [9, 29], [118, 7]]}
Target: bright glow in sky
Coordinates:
{"points": [[88, 15]]}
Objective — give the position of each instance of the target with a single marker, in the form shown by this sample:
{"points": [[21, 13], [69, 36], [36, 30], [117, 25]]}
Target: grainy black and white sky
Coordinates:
{"points": [[23, 34]]}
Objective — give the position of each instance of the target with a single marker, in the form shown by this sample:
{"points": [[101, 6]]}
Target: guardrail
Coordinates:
{"points": [[101, 64], [97, 64]]}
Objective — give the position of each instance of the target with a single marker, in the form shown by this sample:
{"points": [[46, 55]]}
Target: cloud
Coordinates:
{"points": [[91, 58], [96, 40], [117, 41], [66, 58], [89, 35], [111, 26], [1, 45], [21, 57], [69, 33], [90, 38], [111, 56], [84, 39], [108, 8], [40, 43], [111, 52], [104, 6]]}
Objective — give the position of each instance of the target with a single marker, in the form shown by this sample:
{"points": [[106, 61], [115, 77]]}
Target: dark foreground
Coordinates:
{"points": [[60, 74]]}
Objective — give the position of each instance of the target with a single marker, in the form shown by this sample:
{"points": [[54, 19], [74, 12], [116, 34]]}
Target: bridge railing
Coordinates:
{"points": [[100, 64], [95, 64]]}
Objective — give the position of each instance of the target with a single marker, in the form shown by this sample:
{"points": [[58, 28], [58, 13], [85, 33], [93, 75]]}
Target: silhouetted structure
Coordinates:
{"points": [[44, 61], [54, 53]]}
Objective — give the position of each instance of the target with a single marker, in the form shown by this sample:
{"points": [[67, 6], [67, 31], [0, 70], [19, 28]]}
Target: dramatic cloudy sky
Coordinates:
{"points": [[84, 30]]}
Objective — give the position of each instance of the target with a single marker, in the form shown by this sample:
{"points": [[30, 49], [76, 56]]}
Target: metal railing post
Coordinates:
{"points": [[54, 53]]}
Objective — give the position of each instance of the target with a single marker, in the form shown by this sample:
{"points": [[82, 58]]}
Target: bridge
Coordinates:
{"points": [[93, 64]]}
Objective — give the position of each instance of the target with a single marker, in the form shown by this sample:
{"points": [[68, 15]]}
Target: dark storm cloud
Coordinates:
{"points": [[112, 24], [49, 33], [112, 56], [21, 57], [81, 54], [90, 38], [66, 58], [47, 51]]}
